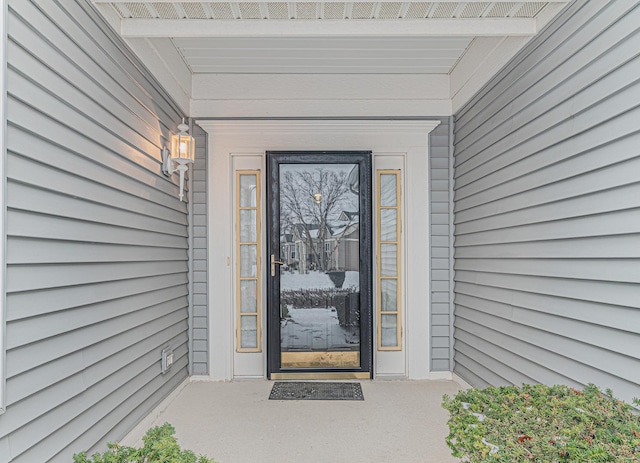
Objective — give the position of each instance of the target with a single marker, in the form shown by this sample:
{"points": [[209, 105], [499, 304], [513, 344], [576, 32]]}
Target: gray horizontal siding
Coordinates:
{"points": [[200, 319], [440, 186], [97, 263], [547, 209]]}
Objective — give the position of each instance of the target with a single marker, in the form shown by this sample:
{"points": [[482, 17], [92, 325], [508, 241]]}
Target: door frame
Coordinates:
{"points": [[404, 141], [364, 161]]}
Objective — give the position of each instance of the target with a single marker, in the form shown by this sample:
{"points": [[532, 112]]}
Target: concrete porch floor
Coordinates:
{"points": [[399, 421]]}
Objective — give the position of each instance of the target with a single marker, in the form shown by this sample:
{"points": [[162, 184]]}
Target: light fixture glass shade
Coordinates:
{"points": [[183, 151], [183, 146]]}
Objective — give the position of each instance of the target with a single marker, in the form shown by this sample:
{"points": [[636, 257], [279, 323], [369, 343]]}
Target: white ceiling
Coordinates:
{"points": [[280, 51], [466, 42], [322, 55]]}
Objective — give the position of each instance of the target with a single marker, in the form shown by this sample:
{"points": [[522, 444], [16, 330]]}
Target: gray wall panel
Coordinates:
{"points": [[440, 185], [547, 226], [97, 251], [200, 321]]}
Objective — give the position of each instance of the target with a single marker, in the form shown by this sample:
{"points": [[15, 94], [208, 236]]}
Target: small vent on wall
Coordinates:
{"points": [[167, 359]]}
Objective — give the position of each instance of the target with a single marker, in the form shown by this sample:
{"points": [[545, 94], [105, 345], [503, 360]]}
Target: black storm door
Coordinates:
{"points": [[319, 261]]}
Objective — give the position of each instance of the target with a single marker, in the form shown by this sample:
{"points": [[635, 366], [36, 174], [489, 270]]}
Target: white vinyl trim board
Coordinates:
{"points": [[3, 183], [233, 140]]}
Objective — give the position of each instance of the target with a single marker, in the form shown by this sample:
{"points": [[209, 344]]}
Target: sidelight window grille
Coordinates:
{"points": [[389, 266], [248, 254]]}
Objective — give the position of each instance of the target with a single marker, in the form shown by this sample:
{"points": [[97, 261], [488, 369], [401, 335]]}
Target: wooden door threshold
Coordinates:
{"points": [[321, 376]]}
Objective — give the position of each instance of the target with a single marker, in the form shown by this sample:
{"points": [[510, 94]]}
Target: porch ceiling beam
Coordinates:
{"points": [[294, 1], [288, 28]]}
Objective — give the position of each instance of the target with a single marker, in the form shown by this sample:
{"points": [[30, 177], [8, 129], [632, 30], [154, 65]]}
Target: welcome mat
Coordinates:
{"points": [[316, 391]]}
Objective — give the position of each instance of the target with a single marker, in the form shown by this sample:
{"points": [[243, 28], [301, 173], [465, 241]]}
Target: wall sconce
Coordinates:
{"points": [[183, 150]]}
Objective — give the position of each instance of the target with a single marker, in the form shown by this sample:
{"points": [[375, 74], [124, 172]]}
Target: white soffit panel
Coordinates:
{"points": [[333, 9], [329, 37], [321, 55]]}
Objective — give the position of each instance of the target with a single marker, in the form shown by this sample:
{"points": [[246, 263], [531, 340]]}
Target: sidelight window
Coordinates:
{"points": [[388, 252], [248, 254]]}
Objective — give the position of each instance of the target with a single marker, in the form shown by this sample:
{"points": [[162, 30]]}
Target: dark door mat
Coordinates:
{"points": [[316, 391]]}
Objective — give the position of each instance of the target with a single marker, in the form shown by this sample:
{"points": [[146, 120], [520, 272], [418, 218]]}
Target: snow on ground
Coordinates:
{"points": [[316, 329], [311, 280], [352, 279], [316, 280]]}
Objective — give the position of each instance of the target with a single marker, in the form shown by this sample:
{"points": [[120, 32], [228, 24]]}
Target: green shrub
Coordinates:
{"points": [[160, 446], [537, 423]]}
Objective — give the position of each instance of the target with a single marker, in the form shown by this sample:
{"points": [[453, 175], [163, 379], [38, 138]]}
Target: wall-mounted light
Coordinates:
{"points": [[183, 150]]}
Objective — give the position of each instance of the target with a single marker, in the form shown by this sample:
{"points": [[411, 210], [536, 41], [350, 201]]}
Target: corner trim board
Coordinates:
{"points": [[3, 195]]}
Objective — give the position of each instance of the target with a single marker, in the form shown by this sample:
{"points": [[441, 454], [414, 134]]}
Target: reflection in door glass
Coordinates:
{"points": [[320, 275]]}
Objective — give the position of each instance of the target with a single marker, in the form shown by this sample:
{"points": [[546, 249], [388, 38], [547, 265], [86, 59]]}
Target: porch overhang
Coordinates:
{"points": [[388, 52]]}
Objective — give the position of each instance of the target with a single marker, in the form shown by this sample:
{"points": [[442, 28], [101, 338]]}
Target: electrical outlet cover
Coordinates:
{"points": [[167, 359]]}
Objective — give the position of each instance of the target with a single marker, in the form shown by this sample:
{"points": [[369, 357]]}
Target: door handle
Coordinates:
{"points": [[274, 262]]}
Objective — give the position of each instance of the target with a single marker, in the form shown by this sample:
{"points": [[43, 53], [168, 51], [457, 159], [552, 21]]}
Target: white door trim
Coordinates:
{"points": [[408, 138]]}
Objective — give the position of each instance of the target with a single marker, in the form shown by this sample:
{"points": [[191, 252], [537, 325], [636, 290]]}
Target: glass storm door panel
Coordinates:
{"points": [[320, 265]]}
